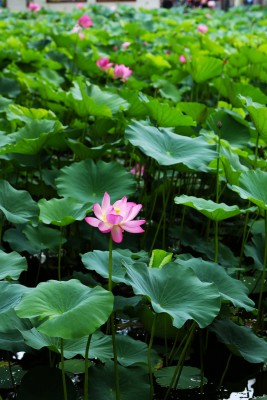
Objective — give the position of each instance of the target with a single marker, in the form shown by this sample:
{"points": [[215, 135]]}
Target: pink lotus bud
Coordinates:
{"points": [[85, 21], [103, 63], [207, 15], [80, 5], [202, 28], [34, 7], [182, 59], [120, 71], [76, 29], [81, 35], [125, 45]]}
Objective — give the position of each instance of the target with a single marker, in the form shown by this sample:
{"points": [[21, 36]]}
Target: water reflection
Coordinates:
{"points": [[246, 394]]}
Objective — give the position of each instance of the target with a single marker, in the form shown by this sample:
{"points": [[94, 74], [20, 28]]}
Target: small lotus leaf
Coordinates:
{"points": [[190, 377], [12, 265]]}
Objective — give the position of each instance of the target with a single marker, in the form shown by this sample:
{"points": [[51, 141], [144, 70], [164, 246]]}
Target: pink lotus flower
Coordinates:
{"points": [[103, 63], [81, 35], [202, 28], [120, 71], [80, 5], [207, 15], [85, 21], [182, 59], [211, 4], [34, 7], [125, 45], [116, 218], [138, 170], [76, 29]]}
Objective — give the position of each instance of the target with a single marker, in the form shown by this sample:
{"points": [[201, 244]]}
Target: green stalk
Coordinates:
{"points": [[179, 366], [260, 307], [216, 231], [59, 254], [149, 357], [111, 319], [225, 370], [86, 367], [63, 369]]}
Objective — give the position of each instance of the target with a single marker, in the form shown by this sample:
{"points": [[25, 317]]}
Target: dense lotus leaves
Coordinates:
{"points": [[255, 250], [177, 291], [190, 377], [167, 116], [212, 210], [13, 341], [230, 289], [88, 181], [98, 261], [122, 303], [252, 186], [111, 100], [241, 340], [102, 383], [17, 205], [62, 212], [83, 152], [12, 265], [100, 345], [205, 68], [43, 382], [4, 103], [32, 137], [9, 87], [258, 116], [168, 90], [169, 148], [59, 312]]}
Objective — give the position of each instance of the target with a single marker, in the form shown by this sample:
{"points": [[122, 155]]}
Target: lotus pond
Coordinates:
{"points": [[133, 198]]}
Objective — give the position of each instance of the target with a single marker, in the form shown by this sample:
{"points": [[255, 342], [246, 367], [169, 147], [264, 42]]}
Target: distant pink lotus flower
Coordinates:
{"points": [[80, 5], [207, 15], [211, 4], [182, 59], [85, 21], [103, 63], [120, 71], [34, 7], [116, 218], [81, 35], [125, 45], [138, 170], [202, 28], [76, 28], [168, 52]]}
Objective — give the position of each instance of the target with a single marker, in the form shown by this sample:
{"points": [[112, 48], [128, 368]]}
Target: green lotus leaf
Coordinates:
{"points": [[111, 100], [82, 152], [12, 265], [167, 116], [197, 111], [60, 314], [43, 382], [258, 116], [62, 212], [4, 103], [159, 258], [88, 181], [255, 249], [32, 137], [204, 68], [177, 291], [230, 289], [100, 345], [252, 186], [42, 237], [241, 340], [212, 210], [24, 114], [168, 148], [6, 382], [133, 352], [102, 383], [98, 261], [17, 205], [190, 377]]}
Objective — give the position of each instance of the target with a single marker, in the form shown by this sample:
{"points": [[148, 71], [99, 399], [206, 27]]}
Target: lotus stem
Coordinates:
{"points": [[59, 254], [225, 370], [260, 308], [216, 232], [149, 357], [86, 367], [111, 319], [179, 367], [63, 369]]}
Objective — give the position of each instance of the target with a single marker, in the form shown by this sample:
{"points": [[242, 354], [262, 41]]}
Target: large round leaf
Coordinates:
{"points": [[62, 212], [252, 186], [241, 339], [17, 205], [66, 309], [12, 265], [87, 182], [177, 291], [230, 289], [169, 148], [212, 210], [190, 377], [205, 68]]}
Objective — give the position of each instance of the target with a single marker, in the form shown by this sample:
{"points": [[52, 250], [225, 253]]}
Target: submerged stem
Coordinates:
{"points": [[63, 369], [86, 367]]}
